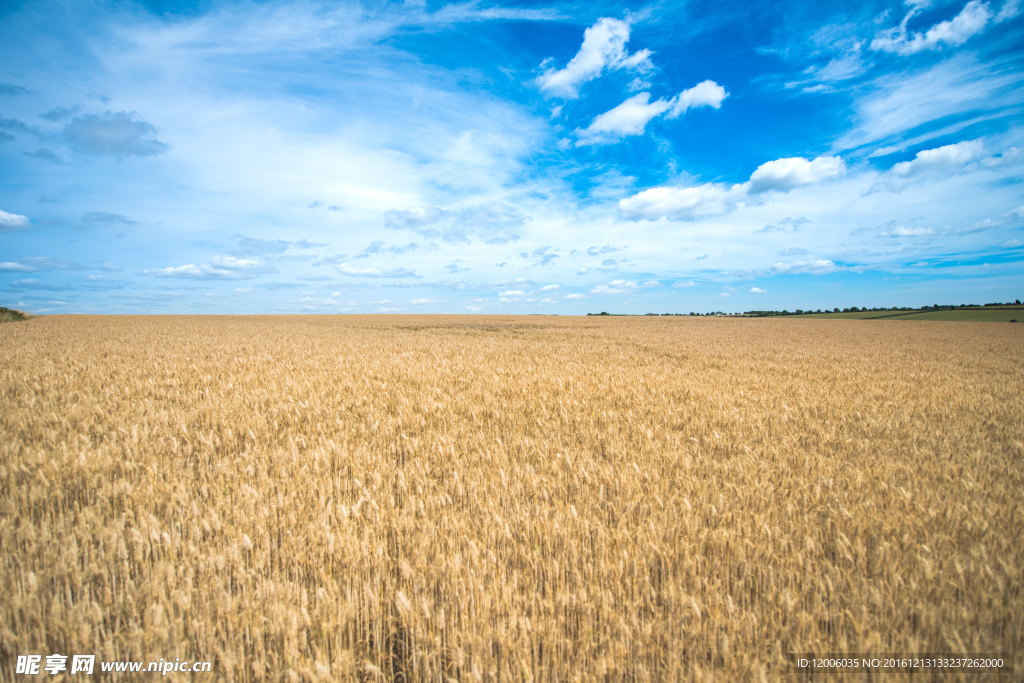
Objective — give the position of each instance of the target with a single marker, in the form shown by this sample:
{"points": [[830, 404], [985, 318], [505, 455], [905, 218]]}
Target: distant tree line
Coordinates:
{"points": [[851, 309], [866, 309]]}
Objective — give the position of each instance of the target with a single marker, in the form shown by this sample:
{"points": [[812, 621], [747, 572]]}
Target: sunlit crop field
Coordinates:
{"points": [[530, 498]]}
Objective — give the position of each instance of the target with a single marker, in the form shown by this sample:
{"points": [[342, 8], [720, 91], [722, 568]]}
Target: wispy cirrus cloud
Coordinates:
{"points": [[971, 21], [34, 263], [931, 102]]}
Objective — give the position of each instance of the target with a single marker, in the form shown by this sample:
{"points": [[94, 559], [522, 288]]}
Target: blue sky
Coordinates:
{"points": [[422, 157]]}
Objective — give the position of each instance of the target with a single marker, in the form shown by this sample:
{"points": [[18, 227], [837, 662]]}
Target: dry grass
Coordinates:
{"points": [[508, 498]]}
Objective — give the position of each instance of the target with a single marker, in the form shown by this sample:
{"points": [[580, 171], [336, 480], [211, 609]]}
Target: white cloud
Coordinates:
{"points": [[758, 290], [841, 68], [573, 296], [11, 266], [549, 288], [969, 22], [632, 116], [818, 267], [638, 84], [604, 46], [690, 283], [512, 293], [681, 203], [189, 270], [629, 118], [222, 268], [346, 269], [1011, 8], [419, 302], [704, 94], [790, 173], [714, 199], [12, 221], [492, 223], [414, 218], [904, 231], [615, 287], [232, 263], [945, 158], [943, 162]]}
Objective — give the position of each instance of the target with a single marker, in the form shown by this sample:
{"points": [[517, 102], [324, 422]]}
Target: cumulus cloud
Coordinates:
{"points": [[681, 203], [971, 21], [604, 47], [632, 116], [714, 199], [758, 290], [942, 161], [945, 158], [12, 221], [704, 94], [793, 172], [629, 118], [118, 134], [573, 297]]}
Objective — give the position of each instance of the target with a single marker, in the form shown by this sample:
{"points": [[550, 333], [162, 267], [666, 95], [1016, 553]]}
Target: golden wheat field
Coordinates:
{"points": [[508, 498]]}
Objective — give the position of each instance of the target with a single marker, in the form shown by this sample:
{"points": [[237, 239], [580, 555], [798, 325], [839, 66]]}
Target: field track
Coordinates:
{"points": [[508, 498]]}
